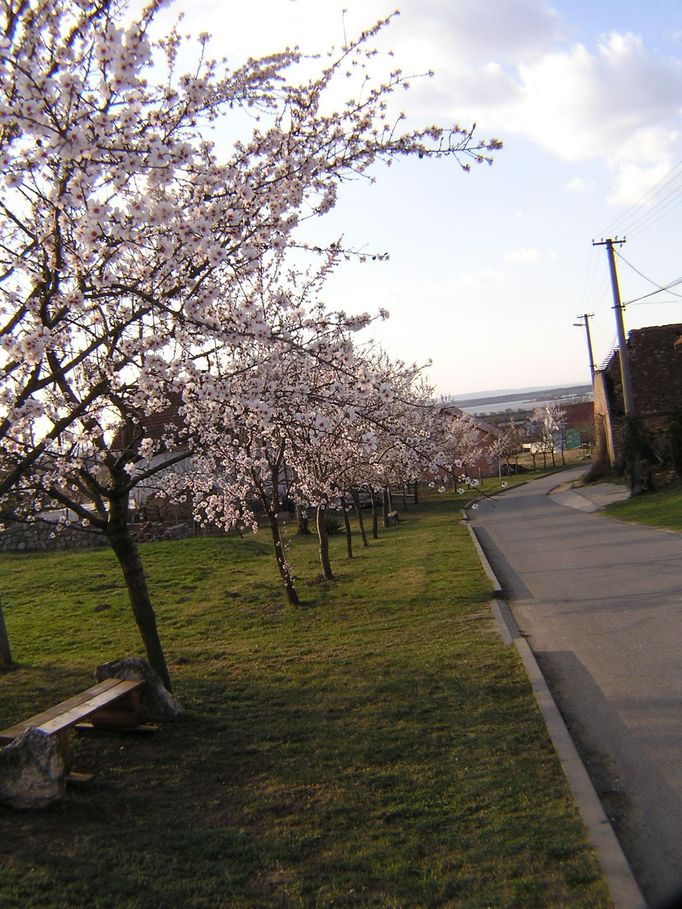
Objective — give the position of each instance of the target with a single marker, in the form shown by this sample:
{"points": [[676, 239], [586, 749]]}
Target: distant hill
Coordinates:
{"points": [[518, 399]]}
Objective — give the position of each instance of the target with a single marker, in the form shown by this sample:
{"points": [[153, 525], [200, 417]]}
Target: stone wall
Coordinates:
{"points": [[40, 537]]}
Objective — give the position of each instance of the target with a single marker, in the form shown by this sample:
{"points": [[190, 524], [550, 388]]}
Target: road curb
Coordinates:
{"points": [[497, 587], [621, 882]]}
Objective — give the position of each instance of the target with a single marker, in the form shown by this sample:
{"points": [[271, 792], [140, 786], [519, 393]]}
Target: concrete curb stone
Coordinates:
{"points": [[624, 889]]}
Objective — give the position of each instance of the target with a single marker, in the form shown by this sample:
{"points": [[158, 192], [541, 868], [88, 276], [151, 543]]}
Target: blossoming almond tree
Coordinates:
{"points": [[126, 237], [255, 409]]}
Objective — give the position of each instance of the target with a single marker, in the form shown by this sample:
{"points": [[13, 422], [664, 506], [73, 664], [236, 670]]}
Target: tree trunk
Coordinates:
{"points": [[349, 535], [324, 543], [302, 520], [5, 650], [358, 512], [386, 503], [124, 546], [404, 496], [282, 564], [416, 492], [375, 514]]}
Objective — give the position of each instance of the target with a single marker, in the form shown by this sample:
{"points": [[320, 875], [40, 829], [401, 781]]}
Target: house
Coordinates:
{"points": [[486, 462], [578, 424], [655, 358]]}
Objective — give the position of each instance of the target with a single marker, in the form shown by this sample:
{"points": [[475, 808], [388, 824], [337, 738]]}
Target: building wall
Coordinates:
{"points": [[656, 371], [606, 441]]}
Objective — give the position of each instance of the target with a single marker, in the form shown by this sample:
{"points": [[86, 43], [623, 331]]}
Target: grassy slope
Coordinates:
{"points": [[379, 747], [658, 509]]}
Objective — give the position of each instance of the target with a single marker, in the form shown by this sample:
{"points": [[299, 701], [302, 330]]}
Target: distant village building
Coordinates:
{"points": [[578, 424], [487, 463], [655, 357]]}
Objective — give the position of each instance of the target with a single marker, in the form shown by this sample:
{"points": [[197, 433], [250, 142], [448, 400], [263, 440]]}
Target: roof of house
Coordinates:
{"points": [[655, 357], [484, 427]]}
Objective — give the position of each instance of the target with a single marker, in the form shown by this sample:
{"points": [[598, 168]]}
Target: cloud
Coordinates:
{"points": [[467, 32], [619, 103], [523, 256], [479, 279], [506, 66], [578, 185]]}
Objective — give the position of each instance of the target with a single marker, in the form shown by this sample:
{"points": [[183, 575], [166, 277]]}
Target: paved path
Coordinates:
{"points": [[601, 604]]}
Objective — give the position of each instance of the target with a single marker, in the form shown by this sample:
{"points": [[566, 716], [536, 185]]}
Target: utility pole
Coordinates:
{"points": [[631, 430], [628, 399], [586, 316]]}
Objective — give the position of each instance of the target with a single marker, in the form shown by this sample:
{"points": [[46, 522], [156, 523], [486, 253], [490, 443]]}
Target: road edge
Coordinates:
{"points": [[619, 878]]}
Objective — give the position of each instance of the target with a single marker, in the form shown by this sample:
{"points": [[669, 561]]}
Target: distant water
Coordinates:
{"points": [[523, 399]]}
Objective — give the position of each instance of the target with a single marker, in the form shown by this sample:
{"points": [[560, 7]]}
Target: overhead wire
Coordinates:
{"points": [[659, 287], [639, 210], [658, 202], [651, 217]]}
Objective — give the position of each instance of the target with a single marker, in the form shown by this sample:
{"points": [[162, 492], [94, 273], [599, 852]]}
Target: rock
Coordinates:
{"points": [[157, 704], [32, 772]]}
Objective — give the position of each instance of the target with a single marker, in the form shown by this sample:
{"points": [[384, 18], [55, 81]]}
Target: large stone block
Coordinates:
{"points": [[32, 772], [157, 704]]}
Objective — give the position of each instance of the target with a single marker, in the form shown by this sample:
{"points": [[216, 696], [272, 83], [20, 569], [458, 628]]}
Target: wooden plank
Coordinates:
{"points": [[87, 708], [142, 728], [69, 712], [76, 777], [13, 731]]}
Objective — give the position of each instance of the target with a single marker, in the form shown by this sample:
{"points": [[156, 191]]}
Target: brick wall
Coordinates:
{"points": [[655, 358]]}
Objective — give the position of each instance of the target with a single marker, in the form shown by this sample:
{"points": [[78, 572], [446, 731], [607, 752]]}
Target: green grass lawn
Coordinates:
{"points": [[377, 747], [658, 509]]}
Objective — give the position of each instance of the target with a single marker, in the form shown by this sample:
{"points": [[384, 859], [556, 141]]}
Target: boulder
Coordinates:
{"points": [[157, 704], [32, 772]]}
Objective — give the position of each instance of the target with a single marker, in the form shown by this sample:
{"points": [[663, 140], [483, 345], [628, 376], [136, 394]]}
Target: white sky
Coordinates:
{"points": [[488, 270]]}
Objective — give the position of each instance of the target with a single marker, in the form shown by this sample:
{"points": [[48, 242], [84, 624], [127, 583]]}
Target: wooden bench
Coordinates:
{"points": [[111, 704]]}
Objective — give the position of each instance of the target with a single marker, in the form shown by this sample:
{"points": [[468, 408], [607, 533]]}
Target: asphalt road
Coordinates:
{"points": [[600, 602]]}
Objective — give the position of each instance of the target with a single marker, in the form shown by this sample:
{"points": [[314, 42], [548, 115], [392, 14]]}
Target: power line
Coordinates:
{"points": [[651, 217], [635, 211], [660, 288]]}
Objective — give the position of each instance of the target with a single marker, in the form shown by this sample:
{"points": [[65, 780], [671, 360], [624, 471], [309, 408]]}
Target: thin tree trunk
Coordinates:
{"points": [[323, 537], [282, 564], [386, 502], [302, 520], [5, 650], [358, 512], [404, 496], [346, 521], [416, 492], [375, 514], [126, 551]]}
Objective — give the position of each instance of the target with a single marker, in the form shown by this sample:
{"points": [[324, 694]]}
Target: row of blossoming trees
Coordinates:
{"points": [[143, 265]]}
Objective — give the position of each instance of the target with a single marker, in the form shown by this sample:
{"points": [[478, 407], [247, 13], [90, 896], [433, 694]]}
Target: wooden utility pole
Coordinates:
{"points": [[628, 399], [631, 441], [586, 316]]}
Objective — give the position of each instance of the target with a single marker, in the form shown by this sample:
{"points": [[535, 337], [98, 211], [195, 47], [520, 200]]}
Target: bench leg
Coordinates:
{"points": [[65, 748]]}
